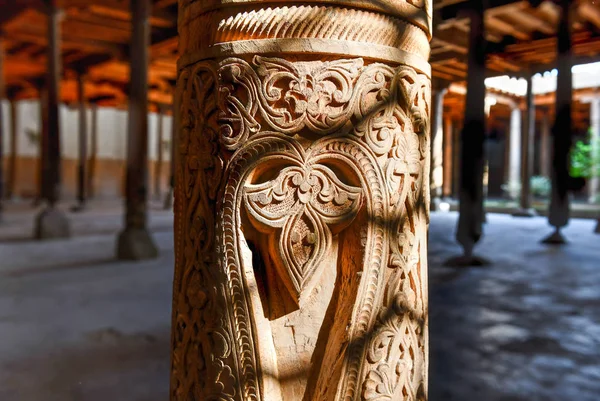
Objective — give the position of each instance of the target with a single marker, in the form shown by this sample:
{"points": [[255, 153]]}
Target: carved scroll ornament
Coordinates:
{"points": [[301, 157]]}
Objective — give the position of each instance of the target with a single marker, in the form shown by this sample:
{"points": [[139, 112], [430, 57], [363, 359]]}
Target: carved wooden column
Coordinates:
{"points": [[527, 145], [471, 218], [2, 117], [135, 242], [52, 222], [12, 161], [562, 130], [301, 203], [82, 162]]}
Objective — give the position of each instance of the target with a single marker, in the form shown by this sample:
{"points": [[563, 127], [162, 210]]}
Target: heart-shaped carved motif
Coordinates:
{"points": [[301, 210]]}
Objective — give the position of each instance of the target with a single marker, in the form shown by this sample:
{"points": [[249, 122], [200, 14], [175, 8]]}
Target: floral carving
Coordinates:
{"points": [[202, 345], [302, 148], [301, 209], [290, 97]]}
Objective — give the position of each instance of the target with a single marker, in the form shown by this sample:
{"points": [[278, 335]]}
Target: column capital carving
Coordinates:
{"points": [[392, 31]]}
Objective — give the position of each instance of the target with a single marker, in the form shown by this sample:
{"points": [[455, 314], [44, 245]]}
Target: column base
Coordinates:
{"points": [[525, 213], [136, 244], [51, 223], [556, 238], [467, 261]]}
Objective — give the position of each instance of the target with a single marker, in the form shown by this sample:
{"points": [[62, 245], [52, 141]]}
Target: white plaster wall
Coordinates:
{"points": [[69, 131], [153, 136], [6, 125], [112, 134], [28, 119], [111, 131]]}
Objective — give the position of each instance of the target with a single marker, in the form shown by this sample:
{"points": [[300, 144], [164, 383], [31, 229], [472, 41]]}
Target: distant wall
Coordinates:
{"points": [[111, 149]]}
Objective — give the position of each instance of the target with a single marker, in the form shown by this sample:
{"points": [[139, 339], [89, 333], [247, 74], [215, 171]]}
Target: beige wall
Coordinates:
{"points": [[110, 158]]}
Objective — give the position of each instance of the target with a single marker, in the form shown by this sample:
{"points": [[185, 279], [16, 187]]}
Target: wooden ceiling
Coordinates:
{"points": [[95, 38], [521, 36], [95, 42]]}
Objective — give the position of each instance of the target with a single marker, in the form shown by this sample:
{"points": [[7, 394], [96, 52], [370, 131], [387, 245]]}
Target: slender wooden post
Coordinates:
{"points": [[562, 130], [12, 161], [53, 173], [159, 155], [456, 162], [545, 150], [51, 222], [2, 116], [471, 217], [93, 152], [527, 146], [81, 165], [135, 242]]}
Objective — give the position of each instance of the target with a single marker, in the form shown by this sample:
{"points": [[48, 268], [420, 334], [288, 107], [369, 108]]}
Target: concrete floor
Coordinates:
{"points": [[77, 325], [526, 327]]}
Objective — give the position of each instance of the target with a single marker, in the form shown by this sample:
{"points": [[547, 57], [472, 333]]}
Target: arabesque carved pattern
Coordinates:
{"points": [[341, 136], [301, 207]]}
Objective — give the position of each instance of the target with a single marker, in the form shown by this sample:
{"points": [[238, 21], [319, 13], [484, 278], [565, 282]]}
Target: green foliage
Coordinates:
{"points": [[585, 158]]}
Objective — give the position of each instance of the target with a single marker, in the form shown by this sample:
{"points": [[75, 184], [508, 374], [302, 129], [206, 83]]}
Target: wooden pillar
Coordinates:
{"points": [[14, 151], [448, 158], [51, 222], [562, 129], [135, 242], [457, 127], [159, 155], [545, 149], [2, 117], [91, 176], [437, 146], [527, 147], [301, 202], [471, 211], [82, 162]]}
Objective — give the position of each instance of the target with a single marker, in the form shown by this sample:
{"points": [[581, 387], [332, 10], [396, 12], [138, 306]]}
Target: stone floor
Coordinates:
{"points": [[76, 325], [526, 327]]}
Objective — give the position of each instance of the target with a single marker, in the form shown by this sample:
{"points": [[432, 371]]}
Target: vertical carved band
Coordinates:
{"points": [[289, 166]]}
